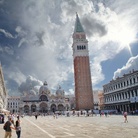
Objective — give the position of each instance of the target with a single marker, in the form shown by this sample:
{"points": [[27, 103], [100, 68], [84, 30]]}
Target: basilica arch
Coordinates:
{"points": [[53, 107], [33, 108], [43, 108], [26, 109], [60, 107]]}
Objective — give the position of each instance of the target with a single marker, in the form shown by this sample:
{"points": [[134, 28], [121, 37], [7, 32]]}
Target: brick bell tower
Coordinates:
{"points": [[82, 74]]}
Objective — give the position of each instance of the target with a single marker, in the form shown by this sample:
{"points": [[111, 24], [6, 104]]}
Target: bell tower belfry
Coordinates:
{"points": [[82, 74]]}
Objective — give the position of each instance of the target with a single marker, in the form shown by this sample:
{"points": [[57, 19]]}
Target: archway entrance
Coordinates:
{"points": [[43, 108], [60, 107], [33, 108], [53, 108], [26, 109]]}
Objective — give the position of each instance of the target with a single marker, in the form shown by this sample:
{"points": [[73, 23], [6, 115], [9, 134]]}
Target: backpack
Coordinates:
{"points": [[6, 126]]}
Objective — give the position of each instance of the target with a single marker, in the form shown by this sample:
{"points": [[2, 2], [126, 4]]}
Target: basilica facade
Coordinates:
{"points": [[44, 101]]}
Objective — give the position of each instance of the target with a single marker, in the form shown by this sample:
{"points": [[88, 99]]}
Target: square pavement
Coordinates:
{"points": [[77, 127]]}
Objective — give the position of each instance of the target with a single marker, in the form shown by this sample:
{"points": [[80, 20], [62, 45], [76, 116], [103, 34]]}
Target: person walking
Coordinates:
{"points": [[8, 126], [18, 127], [36, 116], [125, 116]]}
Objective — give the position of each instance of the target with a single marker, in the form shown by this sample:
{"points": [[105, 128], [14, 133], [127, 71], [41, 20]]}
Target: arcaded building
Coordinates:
{"points": [[44, 101], [122, 93], [3, 93], [82, 73]]}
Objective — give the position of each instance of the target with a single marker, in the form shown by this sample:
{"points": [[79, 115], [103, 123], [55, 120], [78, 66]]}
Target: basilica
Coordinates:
{"points": [[44, 101]]}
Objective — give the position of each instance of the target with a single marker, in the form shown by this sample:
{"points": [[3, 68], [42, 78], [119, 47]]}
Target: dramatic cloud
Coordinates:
{"points": [[36, 38], [7, 34], [131, 65], [29, 84]]}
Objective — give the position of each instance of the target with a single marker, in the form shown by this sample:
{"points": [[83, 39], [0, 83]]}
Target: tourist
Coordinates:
{"points": [[125, 116], [36, 116], [105, 114], [78, 114], [18, 127], [8, 126]]}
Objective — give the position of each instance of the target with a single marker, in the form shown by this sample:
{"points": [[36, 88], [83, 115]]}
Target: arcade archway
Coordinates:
{"points": [[26, 109], [33, 108], [60, 107], [43, 108], [53, 108]]}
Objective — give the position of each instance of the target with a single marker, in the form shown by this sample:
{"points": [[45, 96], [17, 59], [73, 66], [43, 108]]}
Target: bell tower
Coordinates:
{"points": [[82, 74]]}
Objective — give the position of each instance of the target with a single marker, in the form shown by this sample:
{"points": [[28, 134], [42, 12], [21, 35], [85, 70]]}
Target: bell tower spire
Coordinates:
{"points": [[78, 26]]}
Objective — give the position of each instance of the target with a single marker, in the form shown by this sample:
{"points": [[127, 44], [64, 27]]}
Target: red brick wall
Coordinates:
{"points": [[83, 85]]}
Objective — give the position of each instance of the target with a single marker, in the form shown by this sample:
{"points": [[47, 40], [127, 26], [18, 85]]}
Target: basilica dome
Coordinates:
{"points": [[44, 89], [60, 92]]}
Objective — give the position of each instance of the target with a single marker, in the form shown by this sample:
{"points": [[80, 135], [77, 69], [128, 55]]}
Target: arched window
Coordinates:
{"points": [[43, 98]]}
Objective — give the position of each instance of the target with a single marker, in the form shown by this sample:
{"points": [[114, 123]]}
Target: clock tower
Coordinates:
{"points": [[82, 73]]}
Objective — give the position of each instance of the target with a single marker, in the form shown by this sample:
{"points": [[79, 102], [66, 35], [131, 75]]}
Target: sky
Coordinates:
{"points": [[36, 41]]}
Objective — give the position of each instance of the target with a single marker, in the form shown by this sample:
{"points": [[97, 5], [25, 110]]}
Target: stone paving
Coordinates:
{"points": [[77, 127]]}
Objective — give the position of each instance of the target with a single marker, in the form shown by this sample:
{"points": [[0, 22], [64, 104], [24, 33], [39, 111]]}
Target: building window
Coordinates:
{"points": [[133, 80], [132, 93], [136, 92], [128, 95], [127, 82], [130, 81]]}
